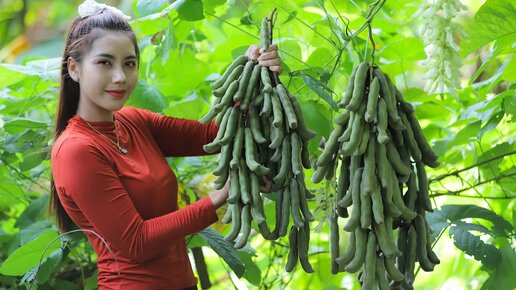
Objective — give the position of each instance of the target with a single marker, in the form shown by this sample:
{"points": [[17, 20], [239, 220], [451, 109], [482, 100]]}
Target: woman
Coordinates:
{"points": [[110, 176]]}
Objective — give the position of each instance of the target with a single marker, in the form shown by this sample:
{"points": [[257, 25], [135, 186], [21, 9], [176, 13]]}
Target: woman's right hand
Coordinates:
{"points": [[219, 197]]}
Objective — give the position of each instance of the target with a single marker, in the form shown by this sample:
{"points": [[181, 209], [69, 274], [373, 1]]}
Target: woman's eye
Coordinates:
{"points": [[104, 62], [131, 64]]}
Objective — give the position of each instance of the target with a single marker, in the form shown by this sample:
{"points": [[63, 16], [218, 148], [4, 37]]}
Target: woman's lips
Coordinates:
{"points": [[116, 93]]}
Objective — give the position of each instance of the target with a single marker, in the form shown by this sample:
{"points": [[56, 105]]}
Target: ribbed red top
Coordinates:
{"points": [[131, 200]]}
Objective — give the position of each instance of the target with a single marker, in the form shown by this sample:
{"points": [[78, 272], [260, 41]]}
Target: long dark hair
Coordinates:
{"points": [[79, 39]]}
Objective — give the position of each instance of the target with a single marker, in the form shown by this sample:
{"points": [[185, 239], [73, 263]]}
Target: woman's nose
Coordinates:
{"points": [[119, 76]]}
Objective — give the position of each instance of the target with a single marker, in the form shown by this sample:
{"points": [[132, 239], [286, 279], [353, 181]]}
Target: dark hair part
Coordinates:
{"points": [[79, 40]]}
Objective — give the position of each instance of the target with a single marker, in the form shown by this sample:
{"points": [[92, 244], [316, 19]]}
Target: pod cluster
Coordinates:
{"points": [[377, 151], [261, 134]]}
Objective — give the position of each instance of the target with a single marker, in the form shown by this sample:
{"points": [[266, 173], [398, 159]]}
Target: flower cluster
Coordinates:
{"points": [[439, 35]]}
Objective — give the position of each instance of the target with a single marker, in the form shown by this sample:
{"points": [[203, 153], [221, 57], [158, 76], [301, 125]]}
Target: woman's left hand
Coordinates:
{"points": [[269, 58]]}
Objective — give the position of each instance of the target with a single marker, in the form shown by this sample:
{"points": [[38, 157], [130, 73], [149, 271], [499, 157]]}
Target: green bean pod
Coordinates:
{"points": [[239, 61]]}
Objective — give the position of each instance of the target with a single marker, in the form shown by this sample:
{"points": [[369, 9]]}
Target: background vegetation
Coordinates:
{"points": [[185, 44]]}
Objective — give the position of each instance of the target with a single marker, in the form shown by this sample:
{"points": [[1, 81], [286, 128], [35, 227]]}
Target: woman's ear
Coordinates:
{"points": [[73, 69]]}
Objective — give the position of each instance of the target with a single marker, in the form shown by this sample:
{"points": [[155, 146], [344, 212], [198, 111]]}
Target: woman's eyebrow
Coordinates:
{"points": [[107, 55]]}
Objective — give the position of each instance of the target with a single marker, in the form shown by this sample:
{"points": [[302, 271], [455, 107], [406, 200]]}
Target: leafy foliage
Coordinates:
{"points": [[184, 45]]}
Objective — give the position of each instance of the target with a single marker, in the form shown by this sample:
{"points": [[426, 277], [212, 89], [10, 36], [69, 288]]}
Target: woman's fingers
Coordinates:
{"points": [[265, 185], [253, 52]]}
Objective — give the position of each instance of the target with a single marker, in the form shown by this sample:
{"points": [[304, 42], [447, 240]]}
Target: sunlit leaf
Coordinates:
{"points": [[147, 97], [29, 255], [494, 21], [146, 7], [18, 125]]}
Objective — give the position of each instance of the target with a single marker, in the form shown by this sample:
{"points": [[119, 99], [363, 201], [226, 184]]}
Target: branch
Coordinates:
{"points": [[456, 172], [456, 192]]}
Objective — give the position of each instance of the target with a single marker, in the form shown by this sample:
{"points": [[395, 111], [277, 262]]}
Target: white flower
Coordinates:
{"points": [[439, 35]]}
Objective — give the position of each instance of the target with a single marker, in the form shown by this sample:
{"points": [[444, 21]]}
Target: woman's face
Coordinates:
{"points": [[107, 75]]}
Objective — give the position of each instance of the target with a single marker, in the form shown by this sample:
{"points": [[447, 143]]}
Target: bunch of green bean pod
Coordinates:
{"points": [[374, 146], [261, 134]]}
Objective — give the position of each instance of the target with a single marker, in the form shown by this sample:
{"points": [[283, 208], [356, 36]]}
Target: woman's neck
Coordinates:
{"points": [[95, 116]]}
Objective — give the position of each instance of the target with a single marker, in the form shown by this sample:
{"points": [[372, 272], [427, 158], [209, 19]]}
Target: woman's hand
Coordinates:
{"points": [[219, 197], [265, 184], [269, 58]]}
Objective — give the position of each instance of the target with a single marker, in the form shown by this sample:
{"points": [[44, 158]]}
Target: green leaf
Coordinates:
{"points": [[29, 255], [33, 213], [147, 7], [252, 274], [41, 272], [11, 192], [46, 69], [18, 125], [474, 246], [492, 168], [190, 10], [503, 277], [491, 124], [404, 49], [193, 108], [147, 97], [509, 73], [501, 227], [224, 249], [464, 136], [9, 77], [510, 105], [320, 89], [494, 21], [437, 222]]}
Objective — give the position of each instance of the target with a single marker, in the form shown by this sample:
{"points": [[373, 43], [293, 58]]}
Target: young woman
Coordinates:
{"points": [[110, 176]]}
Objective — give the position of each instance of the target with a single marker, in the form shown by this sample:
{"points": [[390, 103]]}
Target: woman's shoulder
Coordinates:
{"points": [[133, 112], [72, 144]]}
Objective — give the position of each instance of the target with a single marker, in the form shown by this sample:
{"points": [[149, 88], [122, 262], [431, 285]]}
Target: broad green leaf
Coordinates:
{"points": [[509, 73], [41, 272], [209, 6], [91, 282], [190, 10], [150, 24], [503, 277], [147, 7], [147, 97], [192, 108], [491, 124], [494, 21], [404, 49], [437, 222], [32, 231], [224, 249], [472, 245], [18, 125], [9, 77], [464, 136], [320, 57], [492, 168], [33, 213], [431, 111], [320, 89], [29, 255], [46, 69], [11, 192], [458, 212], [252, 272], [510, 105]]}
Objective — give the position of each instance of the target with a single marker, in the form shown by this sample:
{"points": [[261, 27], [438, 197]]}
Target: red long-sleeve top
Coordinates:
{"points": [[131, 200]]}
